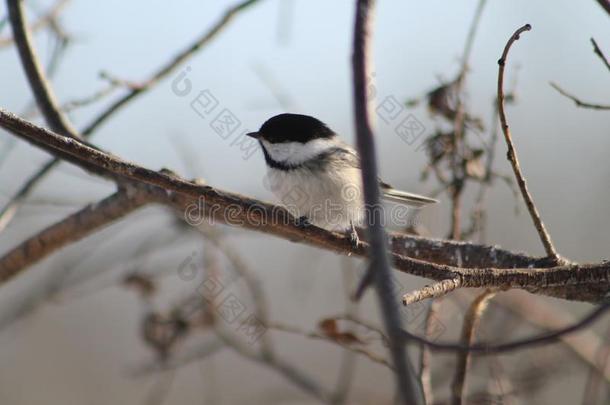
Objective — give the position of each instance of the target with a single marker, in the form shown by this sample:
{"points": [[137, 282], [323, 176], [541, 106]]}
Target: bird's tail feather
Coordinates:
{"points": [[402, 197]]}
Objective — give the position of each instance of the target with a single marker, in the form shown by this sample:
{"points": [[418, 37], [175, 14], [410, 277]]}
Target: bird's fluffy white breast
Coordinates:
{"points": [[330, 199], [296, 152]]}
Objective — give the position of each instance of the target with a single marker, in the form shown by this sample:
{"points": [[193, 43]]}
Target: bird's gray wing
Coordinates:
{"points": [[346, 155]]}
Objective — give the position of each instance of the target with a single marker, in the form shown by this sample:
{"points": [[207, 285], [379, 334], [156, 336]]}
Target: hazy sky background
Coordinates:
{"points": [[304, 46]]}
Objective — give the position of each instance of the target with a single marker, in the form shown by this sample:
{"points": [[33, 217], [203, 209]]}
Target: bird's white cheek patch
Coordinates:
{"points": [[296, 152]]}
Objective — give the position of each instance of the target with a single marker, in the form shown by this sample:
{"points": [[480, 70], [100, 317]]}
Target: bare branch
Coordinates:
{"points": [[38, 82], [374, 357], [469, 327], [602, 355], [512, 153], [166, 69], [69, 230], [458, 180], [599, 52], [432, 291], [425, 370], [347, 368], [47, 19], [588, 282], [45, 98], [285, 369], [252, 282], [171, 65], [91, 99], [577, 101], [407, 385], [545, 316], [486, 349]]}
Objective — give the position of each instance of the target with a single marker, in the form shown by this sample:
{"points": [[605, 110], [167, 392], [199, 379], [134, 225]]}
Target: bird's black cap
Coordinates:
{"points": [[292, 128]]}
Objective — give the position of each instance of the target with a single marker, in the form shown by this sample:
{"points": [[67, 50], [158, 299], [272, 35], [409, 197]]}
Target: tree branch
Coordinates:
{"points": [[49, 18], [69, 230], [475, 265], [598, 50], [407, 385], [458, 139], [432, 291], [485, 348], [9, 211], [469, 327], [170, 66], [45, 98], [425, 356], [512, 153], [291, 373], [375, 358], [543, 315], [577, 101]]}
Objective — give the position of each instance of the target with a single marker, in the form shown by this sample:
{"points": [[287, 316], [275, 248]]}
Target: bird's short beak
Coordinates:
{"points": [[254, 135]]}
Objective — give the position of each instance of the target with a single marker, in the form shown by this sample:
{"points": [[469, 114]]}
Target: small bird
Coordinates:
{"points": [[317, 176]]}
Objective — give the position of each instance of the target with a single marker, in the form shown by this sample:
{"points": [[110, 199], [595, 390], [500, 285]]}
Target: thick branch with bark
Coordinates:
{"points": [[475, 265], [69, 230]]}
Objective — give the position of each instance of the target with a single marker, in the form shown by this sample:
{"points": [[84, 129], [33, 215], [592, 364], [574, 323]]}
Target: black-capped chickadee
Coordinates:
{"points": [[316, 175]]}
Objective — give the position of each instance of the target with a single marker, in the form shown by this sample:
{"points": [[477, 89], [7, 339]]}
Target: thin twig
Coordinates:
{"points": [[45, 99], [347, 369], [350, 347], [577, 101], [425, 368], [365, 324], [93, 98], [253, 283], [599, 53], [43, 93], [543, 315], [486, 349], [183, 358], [512, 153], [469, 327], [171, 65], [479, 215], [47, 19], [435, 290], [10, 210], [602, 355], [458, 181], [287, 370], [408, 387]]}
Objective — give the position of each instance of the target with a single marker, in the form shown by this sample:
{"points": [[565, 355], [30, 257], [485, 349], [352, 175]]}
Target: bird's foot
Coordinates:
{"points": [[352, 236]]}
